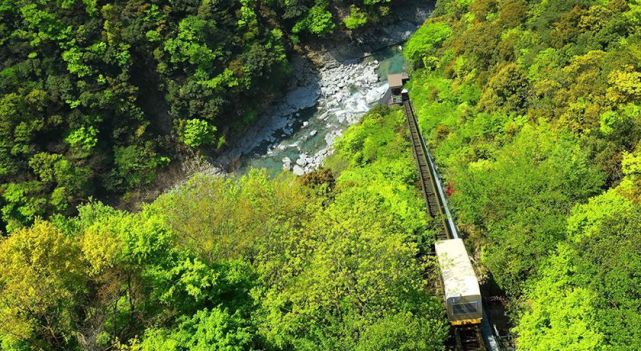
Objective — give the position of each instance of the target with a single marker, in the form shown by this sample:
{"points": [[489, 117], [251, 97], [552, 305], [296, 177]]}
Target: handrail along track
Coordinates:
{"points": [[435, 206], [466, 338]]}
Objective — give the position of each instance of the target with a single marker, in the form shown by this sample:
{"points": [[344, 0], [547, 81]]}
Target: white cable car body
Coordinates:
{"points": [[460, 285]]}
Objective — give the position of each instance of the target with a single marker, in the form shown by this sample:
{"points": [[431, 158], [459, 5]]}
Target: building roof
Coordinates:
{"points": [[459, 278], [396, 80]]}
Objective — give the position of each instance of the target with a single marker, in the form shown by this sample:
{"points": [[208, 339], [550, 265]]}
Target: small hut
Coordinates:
{"points": [[396, 82]]}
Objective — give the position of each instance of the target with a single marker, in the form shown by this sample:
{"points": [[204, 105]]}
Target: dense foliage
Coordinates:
{"points": [[533, 110], [327, 261], [96, 96]]}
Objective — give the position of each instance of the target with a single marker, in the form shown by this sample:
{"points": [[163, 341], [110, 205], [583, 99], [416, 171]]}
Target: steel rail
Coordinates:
{"points": [[429, 185], [467, 338]]}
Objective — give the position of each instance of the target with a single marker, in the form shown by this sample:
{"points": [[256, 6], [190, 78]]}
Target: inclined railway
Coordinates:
{"points": [[426, 176], [469, 329]]}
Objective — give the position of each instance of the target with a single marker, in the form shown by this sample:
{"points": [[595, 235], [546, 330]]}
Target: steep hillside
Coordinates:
{"points": [[333, 260], [97, 96], [533, 109]]}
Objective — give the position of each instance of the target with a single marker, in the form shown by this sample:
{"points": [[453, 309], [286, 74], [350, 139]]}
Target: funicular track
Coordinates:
{"points": [[463, 338], [468, 338], [427, 177]]}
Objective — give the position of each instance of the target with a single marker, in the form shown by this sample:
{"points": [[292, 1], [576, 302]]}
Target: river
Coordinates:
{"points": [[306, 139], [297, 131]]}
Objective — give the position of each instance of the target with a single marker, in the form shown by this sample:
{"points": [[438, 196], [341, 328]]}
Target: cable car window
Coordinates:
{"points": [[464, 308]]}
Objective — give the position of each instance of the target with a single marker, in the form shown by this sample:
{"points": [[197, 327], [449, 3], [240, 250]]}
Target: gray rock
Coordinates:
{"points": [[287, 163], [298, 170], [302, 160]]}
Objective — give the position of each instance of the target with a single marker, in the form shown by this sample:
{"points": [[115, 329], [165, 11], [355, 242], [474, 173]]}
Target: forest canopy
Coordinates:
{"points": [[533, 112], [322, 262], [97, 96]]}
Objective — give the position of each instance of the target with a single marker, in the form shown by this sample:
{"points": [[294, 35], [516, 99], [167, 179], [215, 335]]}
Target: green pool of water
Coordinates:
{"points": [[391, 61]]}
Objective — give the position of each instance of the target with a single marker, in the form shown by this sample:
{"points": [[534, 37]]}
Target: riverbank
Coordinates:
{"points": [[334, 83]]}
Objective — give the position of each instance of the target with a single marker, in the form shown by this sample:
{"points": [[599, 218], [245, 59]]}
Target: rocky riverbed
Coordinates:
{"points": [[300, 129], [332, 87]]}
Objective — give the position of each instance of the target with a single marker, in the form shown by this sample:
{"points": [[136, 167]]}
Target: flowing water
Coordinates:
{"points": [[297, 131], [301, 139]]}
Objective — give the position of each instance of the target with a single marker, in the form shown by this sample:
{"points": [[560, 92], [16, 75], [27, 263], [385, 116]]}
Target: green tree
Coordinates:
{"points": [[224, 219], [560, 316], [23, 202], [134, 166], [42, 282], [318, 21], [197, 132], [356, 19], [206, 330], [597, 303], [190, 44], [129, 259], [425, 41], [83, 139], [507, 90], [356, 270], [70, 181]]}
